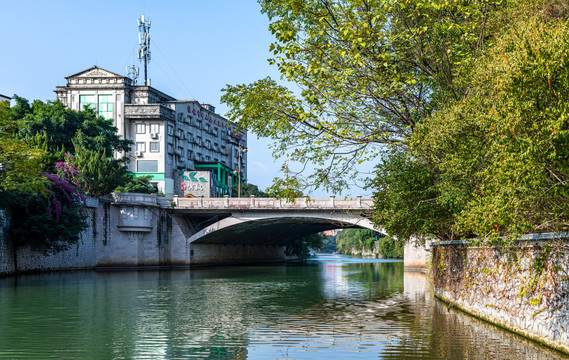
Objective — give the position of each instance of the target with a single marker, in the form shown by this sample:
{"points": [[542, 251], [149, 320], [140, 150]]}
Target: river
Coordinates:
{"points": [[331, 307]]}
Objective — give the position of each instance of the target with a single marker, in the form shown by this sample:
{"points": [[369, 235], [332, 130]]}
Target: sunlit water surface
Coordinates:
{"points": [[332, 307]]}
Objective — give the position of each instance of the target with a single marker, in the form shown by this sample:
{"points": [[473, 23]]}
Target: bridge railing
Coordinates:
{"points": [[267, 203]]}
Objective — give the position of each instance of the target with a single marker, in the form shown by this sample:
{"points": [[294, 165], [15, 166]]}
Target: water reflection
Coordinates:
{"points": [[331, 307]]}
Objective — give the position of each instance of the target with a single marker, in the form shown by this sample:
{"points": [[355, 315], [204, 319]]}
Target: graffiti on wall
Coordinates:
{"points": [[196, 183]]}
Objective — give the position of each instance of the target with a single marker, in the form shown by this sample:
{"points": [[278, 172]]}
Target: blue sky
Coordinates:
{"points": [[197, 48]]}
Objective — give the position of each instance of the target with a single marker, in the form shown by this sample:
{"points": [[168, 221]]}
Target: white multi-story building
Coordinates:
{"points": [[169, 135]]}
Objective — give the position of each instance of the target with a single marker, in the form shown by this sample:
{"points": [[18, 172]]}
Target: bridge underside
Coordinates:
{"points": [[265, 228], [275, 231]]}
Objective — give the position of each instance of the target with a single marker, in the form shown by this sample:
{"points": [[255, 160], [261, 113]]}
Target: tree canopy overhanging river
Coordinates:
{"points": [[331, 307]]}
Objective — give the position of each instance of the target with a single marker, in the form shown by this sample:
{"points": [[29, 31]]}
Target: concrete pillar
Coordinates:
{"points": [[252, 200], [332, 198], [359, 201], [226, 201], [415, 255]]}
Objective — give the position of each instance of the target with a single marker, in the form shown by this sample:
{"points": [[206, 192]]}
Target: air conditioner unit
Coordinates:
{"points": [[153, 135], [138, 153]]}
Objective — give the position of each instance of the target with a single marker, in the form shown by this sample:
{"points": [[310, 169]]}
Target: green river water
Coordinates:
{"points": [[331, 307]]}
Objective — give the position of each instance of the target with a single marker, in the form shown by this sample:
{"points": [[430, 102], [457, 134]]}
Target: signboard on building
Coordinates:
{"points": [[196, 183]]}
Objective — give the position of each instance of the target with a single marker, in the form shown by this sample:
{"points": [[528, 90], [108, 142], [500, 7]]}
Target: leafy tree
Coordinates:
{"points": [[49, 222], [349, 239], [64, 126], [494, 162], [20, 164], [301, 247], [247, 190], [42, 188], [408, 198], [139, 185], [368, 71], [329, 244], [104, 174], [389, 248]]}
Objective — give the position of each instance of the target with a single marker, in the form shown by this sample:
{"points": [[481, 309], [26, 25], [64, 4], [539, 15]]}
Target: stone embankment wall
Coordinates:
{"points": [[80, 256], [524, 289], [6, 251]]}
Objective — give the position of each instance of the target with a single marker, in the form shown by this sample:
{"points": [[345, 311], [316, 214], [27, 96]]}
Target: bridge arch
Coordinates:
{"points": [[275, 228]]}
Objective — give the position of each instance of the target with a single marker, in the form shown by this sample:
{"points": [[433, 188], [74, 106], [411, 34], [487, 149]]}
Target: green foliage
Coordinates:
{"points": [[20, 163], [368, 73], [51, 221], [140, 184], [64, 127], [44, 192], [247, 190], [390, 248], [301, 247], [349, 239], [329, 245], [408, 199], [104, 174], [493, 162]]}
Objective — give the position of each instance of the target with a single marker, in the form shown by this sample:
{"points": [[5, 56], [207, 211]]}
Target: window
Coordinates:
{"points": [[170, 130], [199, 141], [180, 133], [141, 146], [86, 101], [170, 148], [190, 154], [189, 137], [106, 106], [155, 128], [140, 128], [208, 144], [147, 166], [154, 147], [208, 158]]}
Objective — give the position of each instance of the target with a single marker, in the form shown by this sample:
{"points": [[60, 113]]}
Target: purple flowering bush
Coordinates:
{"points": [[51, 222]]}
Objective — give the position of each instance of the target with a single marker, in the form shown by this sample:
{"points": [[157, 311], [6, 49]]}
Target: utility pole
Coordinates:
{"points": [[144, 41]]}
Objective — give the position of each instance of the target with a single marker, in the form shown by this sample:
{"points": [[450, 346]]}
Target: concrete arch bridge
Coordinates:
{"points": [[196, 231]]}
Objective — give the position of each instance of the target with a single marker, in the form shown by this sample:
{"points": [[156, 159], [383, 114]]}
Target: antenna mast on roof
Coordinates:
{"points": [[132, 72], [144, 41]]}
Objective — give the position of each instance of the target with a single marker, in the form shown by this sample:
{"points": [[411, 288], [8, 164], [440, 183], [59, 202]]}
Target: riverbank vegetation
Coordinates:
{"points": [[361, 241], [463, 105], [51, 159]]}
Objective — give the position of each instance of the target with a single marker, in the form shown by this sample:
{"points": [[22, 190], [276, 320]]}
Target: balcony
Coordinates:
{"points": [[149, 111]]}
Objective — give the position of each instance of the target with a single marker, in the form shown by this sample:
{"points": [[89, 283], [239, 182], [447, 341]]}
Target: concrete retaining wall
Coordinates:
{"points": [[416, 255], [524, 289]]}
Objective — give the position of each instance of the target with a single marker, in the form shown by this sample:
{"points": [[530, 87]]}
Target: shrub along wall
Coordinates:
{"points": [[524, 288]]}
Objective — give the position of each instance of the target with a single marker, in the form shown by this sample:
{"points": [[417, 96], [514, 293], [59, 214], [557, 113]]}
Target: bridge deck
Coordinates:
{"points": [[269, 203], [252, 203]]}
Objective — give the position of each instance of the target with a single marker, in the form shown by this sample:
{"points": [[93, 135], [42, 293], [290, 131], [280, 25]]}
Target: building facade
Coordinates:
{"points": [[170, 136]]}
